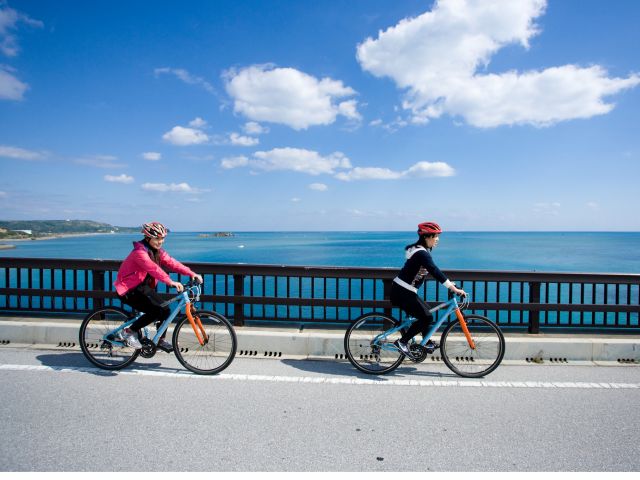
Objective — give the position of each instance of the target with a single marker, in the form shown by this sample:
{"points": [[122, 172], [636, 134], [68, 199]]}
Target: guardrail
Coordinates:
{"points": [[334, 295]]}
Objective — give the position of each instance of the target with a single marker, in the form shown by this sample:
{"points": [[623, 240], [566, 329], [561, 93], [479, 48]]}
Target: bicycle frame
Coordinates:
{"points": [[181, 300], [451, 307]]}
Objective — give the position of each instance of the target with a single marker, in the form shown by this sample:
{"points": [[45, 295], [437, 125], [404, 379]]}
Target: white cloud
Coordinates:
{"points": [[186, 77], [171, 187], [264, 93], [20, 153], [300, 160], [241, 140], [435, 58], [3, 194], [392, 126], [254, 128], [349, 109], [9, 20], [198, 123], [234, 162], [10, 87], [295, 200], [337, 164], [369, 173], [100, 161], [419, 170], [152, 156], [430, 169], [183, 136], [320, 187], [119, 179]]}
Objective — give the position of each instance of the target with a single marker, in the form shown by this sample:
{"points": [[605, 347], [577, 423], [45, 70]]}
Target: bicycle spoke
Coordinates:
{"points": [[473, 362], [98, 346], [368, 349], [216, 354]]}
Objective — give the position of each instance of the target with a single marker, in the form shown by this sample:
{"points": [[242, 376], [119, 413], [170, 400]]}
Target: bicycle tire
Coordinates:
{"points": [[359, 349], [99, 351], [467, 362], [212, 357]]}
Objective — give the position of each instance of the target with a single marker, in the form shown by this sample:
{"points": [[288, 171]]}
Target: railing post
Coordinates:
{"points": [[98, 286], [238, 306], [534, 316], [386, 294]]}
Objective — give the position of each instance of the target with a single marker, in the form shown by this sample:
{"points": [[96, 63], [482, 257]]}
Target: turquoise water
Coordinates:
{"points": [[611, 252]]}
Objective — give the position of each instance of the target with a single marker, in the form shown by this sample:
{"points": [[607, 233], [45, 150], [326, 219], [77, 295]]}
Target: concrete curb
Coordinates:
{"points": [[278, 342]]}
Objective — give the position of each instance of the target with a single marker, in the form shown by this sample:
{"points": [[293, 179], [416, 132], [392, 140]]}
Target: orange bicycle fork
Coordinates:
{"points": [[196, 324], [467, 334]]}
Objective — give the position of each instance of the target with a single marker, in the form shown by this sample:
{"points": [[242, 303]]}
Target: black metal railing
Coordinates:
{"points": [[334, 295]]}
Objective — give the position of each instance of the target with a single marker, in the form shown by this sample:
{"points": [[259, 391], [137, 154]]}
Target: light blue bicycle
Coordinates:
{"points": [[470, 345], [203, 341]]}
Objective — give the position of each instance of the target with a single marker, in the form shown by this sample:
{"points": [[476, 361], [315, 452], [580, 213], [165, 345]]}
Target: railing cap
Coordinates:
{"points": [[331, 271]]}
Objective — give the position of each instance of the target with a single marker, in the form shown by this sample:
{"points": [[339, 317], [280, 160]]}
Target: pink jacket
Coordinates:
{"points": [[135, 267]]}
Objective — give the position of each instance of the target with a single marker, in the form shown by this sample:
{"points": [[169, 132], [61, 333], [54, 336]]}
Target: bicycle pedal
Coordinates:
{"points": [[432, 347]]}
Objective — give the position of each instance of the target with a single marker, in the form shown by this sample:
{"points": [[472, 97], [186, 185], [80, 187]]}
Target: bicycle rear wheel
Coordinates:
{"points": [[217, 352], [96, 344], [468, 362], [365, 352]]}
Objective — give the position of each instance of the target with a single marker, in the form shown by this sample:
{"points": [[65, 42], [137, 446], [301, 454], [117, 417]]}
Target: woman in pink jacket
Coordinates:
{"points": [[137, 279]]}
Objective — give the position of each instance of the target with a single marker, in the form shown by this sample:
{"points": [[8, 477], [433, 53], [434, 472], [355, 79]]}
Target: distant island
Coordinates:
{"points": [[42, 229], [216, 235]]}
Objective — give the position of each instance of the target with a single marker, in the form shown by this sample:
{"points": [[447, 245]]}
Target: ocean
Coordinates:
{"points": [[584, 252]]}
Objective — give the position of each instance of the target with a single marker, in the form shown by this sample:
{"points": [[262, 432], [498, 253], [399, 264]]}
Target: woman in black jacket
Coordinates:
{"points": [[404, 289]]}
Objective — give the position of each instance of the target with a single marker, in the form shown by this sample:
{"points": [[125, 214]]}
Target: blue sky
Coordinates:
{"points": [[322, 115]]}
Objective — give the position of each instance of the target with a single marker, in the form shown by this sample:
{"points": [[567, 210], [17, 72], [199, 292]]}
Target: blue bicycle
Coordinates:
{"points": [[203, 341], [470, 345]]}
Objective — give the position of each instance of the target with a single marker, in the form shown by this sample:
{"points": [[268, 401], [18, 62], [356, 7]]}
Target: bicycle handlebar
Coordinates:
{"points": [[451, 294], [191, 283]]}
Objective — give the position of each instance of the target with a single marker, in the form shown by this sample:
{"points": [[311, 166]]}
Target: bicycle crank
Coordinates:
{"points": [[148, 348], [418, 352]]}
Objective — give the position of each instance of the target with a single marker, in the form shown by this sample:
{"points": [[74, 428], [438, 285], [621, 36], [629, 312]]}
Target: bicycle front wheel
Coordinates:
{"points": [[219, 347], [472, 362], [366, 347], [98, 344]]}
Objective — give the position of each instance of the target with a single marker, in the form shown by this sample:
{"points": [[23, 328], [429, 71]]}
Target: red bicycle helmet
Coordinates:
{"points": [[154, 230], [429, 228]]}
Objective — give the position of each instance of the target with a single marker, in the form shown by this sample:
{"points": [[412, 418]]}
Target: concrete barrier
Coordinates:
{"points": [[279, 342]]}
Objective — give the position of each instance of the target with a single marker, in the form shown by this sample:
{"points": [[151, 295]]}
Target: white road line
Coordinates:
{"points": [[382, 381]]}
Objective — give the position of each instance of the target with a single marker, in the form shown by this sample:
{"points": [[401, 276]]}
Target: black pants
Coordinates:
{"points": [[145, 299], [414, 306]]}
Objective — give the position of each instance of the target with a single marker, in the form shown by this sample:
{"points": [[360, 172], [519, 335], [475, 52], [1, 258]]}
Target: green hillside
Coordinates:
{"points": [[41, 228]]}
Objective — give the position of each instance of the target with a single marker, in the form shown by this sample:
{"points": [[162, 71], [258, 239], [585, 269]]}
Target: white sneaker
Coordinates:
{"points": [[404, 348], [131, 338]]}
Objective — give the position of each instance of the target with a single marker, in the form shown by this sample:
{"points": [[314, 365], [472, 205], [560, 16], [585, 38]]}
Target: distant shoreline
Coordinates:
{"points": [[53, 236]]}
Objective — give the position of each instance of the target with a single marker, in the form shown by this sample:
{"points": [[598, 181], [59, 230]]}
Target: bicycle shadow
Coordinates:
{"points": [[78, 360], [345, 369]]}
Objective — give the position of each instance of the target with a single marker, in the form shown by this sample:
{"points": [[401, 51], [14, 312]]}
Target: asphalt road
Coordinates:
{"points": [[58, 413]]}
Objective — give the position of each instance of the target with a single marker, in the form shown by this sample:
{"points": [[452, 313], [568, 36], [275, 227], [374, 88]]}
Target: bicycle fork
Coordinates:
{"points": [[463, 324], [196, 324]]}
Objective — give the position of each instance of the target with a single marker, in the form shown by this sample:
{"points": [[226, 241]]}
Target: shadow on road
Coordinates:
{"points": [[78, 360], [346, 369]]}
